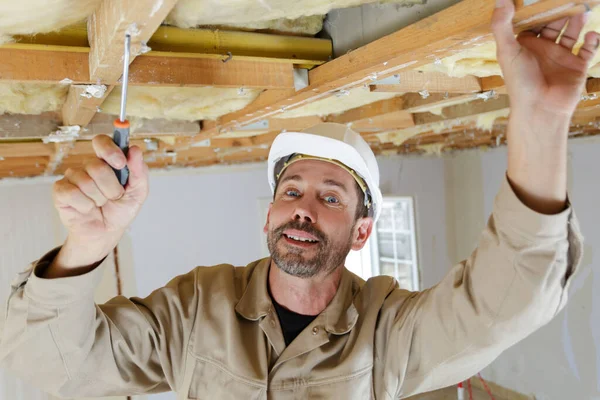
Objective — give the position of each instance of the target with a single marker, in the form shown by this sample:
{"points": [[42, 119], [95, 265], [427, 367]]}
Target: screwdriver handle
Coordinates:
{"points": [[121, 139]]}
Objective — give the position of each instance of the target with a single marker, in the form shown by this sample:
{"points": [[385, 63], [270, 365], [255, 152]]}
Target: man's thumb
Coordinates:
{"points": [[503, 29]]}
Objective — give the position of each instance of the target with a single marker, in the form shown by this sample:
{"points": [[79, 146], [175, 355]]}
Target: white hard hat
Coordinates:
{"points": [[330, 142]]}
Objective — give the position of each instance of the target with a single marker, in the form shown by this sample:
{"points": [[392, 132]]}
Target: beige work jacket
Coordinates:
{"points": [[213, 333]]}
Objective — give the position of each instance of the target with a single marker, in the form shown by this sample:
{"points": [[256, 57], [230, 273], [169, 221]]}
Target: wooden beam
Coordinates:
{"points": [[80, 106], [416, 103], [372, 110], [21, 126], [408, 48], [394, 120], [430, 82], [107, 28], [24, 127], [458, 111], [249, 141], [20, 65], [25, 149], [102, 124], [173, 71], [455, 119], [20, 167], [495, 83]]}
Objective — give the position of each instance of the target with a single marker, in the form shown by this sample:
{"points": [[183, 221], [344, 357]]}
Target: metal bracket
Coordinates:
{"points": [[300, 78], [202, 143], [256, 126], [390, 80]]}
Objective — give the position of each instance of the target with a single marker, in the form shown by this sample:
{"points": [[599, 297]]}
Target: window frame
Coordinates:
{"points": [[374, 240]]}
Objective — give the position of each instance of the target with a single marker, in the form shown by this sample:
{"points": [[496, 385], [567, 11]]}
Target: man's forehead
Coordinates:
{"points": [[316, 169]]}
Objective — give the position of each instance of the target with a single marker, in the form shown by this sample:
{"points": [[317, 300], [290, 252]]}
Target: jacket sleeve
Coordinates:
{"points": [[57, 339], [515, 282]]}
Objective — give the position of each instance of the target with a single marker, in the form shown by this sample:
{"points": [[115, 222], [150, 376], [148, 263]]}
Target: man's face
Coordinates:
{"points": [[311, 225]]}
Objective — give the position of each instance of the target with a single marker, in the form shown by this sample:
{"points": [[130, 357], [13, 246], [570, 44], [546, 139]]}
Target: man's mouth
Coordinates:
{"points": [[300, 238]]}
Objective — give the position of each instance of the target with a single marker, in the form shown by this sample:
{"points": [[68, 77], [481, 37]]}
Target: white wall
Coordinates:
{"points": [[561, 360]]}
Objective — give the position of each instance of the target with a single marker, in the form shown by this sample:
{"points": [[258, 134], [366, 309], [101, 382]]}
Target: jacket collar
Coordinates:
{"points": [[340, 315]]}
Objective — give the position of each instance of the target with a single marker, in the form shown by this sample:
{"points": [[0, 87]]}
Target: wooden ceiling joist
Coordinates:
{"points": [[20, 127], [20, 65], [107, 28], [461, 111], [28, 127], [445, 115], [81, 106], [429, 82], [404, 50]]}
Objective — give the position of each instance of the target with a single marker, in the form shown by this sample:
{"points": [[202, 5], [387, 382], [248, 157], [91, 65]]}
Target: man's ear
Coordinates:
{"points": [[362, 232], [266, 227]]}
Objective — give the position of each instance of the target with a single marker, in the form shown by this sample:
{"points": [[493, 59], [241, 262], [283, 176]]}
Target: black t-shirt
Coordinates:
{"points": [[292, 323]]}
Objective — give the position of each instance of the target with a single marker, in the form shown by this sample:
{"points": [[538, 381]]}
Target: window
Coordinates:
{"points": [[392, 248]]}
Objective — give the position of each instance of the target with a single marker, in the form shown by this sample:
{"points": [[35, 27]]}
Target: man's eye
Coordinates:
{"points": [[331, 199], [292, 193]]}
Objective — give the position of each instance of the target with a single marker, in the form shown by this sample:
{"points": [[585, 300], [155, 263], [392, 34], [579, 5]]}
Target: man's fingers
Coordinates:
{"points": [[67, 194], [553, 29], [86, 184], [529, 33], [571, 33], [105, 179], [138, 170], [590, 46], [502, 27], [107, 150]]}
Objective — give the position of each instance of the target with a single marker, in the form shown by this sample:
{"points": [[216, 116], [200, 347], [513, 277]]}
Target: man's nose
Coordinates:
{"points": [[304, 212]]}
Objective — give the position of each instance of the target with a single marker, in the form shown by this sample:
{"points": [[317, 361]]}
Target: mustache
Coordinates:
{"points": [[300, 226]]}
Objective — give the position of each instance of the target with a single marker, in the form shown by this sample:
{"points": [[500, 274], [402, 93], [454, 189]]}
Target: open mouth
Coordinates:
{"points": [[301, 241]]}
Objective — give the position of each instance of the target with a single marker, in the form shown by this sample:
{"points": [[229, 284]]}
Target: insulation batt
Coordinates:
{"points": [[41, 16], [31, 98], [306, 17], [481, 59], [338, 103], [191, 13], [306, 26], [183, 103]]}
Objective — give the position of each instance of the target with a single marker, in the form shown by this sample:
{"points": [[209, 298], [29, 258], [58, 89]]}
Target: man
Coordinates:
{"points": [[298, 324]]}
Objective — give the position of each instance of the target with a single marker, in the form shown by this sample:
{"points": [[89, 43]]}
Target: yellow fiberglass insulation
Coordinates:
{"points": [[310, 25], [339, 102], [191, 13], [41, 16], [31, 98], [182, 103], [480, 60]]}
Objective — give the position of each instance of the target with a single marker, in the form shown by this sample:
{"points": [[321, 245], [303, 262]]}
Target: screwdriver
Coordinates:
{"points": [[121, 132]]}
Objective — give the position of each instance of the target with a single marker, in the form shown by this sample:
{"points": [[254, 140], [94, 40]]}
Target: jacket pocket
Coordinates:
{"points": [[211, 380]]}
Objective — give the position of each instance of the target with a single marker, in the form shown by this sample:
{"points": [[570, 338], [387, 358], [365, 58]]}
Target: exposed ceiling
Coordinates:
{"points": [[207, 96]]}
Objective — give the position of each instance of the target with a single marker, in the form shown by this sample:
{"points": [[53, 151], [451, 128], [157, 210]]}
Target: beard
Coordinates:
{"points": [[294, 261]]}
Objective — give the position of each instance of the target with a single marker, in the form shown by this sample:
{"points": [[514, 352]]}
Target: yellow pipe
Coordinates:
{"points": [[169, 41]]}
